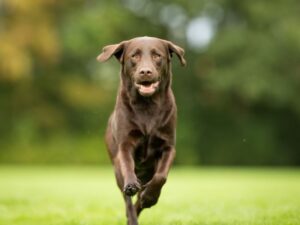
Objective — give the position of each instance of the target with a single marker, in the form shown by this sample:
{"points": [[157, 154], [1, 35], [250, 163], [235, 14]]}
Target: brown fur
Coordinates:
{"points": [[140, 136]]}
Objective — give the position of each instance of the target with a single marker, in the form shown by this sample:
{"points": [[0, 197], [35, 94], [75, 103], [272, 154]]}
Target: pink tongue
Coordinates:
{"points": [[146, 89]]}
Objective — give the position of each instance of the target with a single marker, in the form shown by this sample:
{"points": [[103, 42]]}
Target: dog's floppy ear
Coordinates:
{"points": [[178, 51], [110, 50]]}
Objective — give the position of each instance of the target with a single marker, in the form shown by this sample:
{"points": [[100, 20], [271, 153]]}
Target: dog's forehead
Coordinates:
{"points": [[146, 43]]}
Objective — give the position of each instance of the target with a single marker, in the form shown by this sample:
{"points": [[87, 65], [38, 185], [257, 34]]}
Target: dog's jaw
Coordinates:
{"points": [[147, 89]]}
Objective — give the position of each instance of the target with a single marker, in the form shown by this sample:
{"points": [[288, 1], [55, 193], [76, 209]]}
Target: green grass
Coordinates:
{"points": [[36, 195]]}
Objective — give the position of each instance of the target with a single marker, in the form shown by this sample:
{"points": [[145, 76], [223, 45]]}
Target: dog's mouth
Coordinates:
{"points": [[147, 88]]}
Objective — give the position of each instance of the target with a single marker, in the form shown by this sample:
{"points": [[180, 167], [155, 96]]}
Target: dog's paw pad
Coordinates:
{"points": [[131, 189]]}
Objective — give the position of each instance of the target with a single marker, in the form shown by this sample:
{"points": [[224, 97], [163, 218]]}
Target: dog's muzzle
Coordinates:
{"points": [[147, 88]]}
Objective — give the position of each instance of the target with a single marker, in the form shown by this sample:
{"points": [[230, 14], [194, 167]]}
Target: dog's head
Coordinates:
{"points": [[145, 62]]}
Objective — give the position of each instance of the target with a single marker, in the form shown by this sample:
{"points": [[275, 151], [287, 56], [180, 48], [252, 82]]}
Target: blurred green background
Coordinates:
{"points": [[238, 98]]}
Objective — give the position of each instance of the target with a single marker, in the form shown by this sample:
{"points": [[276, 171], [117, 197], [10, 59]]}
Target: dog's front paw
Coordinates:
{"points": [[132, 188]]}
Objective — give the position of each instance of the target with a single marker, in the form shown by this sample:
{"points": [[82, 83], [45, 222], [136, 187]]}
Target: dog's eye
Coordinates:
{"points": [[135, 56], [156, 56]]}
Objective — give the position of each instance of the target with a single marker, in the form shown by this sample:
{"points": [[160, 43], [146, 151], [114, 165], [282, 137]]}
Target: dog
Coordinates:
{"points": [[140, 135]]}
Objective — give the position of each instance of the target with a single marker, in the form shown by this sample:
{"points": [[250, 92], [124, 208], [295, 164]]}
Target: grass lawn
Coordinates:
{"points": [[37, 195]]}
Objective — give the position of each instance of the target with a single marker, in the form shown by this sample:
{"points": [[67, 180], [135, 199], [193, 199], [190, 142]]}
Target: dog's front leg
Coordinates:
{"points": [[126, 165], [164, 164], [130, 211], [149, 196]]}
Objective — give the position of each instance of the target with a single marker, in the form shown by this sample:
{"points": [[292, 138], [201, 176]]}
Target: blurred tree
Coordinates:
{"points": [[249, 79], [28, 37], [237, 99]]}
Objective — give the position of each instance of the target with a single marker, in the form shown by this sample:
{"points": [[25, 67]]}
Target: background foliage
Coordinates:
{"points": [[238, 98]]}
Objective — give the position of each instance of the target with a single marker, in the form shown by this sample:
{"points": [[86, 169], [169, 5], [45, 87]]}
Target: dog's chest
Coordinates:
{"points": [[147, 125], [148, 129], [146, 155], [148, 122], [149, 148]]}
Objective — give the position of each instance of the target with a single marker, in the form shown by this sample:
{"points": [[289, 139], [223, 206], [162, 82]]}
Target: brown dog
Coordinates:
{"points": [[140, 136]]}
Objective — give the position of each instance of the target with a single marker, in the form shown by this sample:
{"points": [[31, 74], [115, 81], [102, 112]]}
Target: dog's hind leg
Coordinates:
{"points": [[130, 211]]}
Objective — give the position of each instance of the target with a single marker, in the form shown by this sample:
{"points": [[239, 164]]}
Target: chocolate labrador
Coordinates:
{"points": [[140, 136]]}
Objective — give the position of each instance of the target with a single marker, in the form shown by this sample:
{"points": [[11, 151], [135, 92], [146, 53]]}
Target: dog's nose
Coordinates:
{"points": [[145, 71]]}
